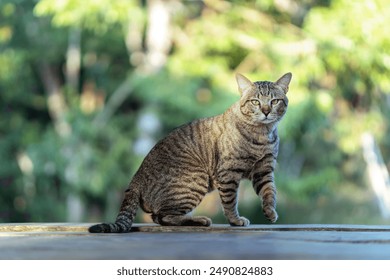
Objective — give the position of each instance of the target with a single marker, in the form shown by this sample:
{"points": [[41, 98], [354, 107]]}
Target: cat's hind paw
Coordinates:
{"points": [[183, 220], [240, 222], [200, 221]]}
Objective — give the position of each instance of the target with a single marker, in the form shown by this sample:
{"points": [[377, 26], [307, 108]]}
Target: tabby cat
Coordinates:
{"points": [[208, 154]]}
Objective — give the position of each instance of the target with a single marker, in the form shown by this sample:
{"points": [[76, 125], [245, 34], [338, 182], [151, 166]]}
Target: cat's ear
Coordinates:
{"points": [[284, 81], [243, 83]]}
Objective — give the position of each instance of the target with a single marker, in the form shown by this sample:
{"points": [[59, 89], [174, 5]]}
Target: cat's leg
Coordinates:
{"points": [[228, 194], [173, 208], [264, 186]]}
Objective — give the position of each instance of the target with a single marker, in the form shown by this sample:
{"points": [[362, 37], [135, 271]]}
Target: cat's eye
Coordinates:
{"points": [[274, 102], [255, 102]]}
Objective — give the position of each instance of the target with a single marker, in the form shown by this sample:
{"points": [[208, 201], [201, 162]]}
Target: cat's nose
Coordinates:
{"points": [[266, 111]]}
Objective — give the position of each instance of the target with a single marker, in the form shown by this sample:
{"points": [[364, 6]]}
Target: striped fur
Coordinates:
{"points": [[211, 154]]}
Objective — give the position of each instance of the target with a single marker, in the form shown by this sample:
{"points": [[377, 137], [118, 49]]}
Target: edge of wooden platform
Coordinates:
{"points": [[83, 228]]}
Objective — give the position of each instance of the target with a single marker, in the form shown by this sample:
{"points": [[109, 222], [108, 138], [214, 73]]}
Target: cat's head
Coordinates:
{"points": [[263, 102]]}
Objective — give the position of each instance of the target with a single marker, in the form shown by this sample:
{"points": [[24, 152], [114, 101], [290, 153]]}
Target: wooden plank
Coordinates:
{"points": [[43, 227], [72, 241], [83, 228]]}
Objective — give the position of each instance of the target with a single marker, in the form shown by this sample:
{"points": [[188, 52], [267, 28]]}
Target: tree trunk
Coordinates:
{"points": [[73, 59], [158, 35], [377, 173], [55, 99], [158, 45]]}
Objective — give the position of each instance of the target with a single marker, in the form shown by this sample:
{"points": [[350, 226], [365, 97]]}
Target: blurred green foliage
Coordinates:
{"points": [[61, 139]]}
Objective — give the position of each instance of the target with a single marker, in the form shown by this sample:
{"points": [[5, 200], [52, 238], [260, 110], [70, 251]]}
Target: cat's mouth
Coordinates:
{"points": [[265, 119]]}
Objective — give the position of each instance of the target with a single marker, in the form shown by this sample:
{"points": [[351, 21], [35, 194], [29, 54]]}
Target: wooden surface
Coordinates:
{"points": [[72, 241]]}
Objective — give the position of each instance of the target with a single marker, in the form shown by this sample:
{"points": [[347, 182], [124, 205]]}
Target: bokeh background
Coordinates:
{"points": [[87, 88]]}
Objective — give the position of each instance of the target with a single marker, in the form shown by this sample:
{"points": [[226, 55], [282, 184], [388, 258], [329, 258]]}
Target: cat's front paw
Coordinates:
{"points": [[240, 222], [270, 214]]}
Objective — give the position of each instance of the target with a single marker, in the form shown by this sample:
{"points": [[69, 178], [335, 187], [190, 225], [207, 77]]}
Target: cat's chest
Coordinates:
{"points": [[257, 146], [243, 155], [253, 153]]}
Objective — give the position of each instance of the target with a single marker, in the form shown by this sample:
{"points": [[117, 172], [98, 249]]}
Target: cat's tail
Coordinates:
{"points": [[125, 218]]}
